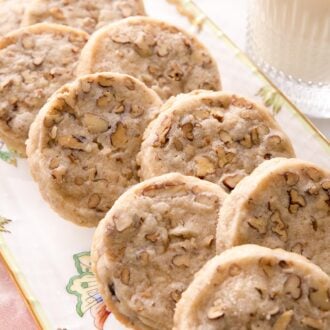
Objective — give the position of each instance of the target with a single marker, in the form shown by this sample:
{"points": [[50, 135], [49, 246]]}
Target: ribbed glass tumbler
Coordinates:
{"points": [[290, 41]]}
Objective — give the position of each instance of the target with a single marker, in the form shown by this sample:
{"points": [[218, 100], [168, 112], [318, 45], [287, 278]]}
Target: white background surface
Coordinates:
{"points": [[230, 16]]}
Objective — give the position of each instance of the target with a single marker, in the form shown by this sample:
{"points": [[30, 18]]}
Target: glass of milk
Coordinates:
{"points": [[290, 41]]}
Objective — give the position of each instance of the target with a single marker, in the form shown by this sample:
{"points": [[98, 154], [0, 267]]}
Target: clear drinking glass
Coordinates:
{"points": [[290, 42]]}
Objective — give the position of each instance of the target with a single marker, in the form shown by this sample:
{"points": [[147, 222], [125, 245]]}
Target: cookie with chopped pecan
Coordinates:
{"points": [[83, 14], [284, 203], [151, 243], [216, 136], [34, 62], [82, 146], [253, 287], [166, 58]]}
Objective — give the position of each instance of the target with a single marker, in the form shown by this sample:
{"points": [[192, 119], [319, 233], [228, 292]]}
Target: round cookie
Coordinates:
{"points": [[149, 246], [11, 13], [34, 62], [252, 287], [83, 144], [83, 14], [216, 136], [166, 58], [284, 203]]}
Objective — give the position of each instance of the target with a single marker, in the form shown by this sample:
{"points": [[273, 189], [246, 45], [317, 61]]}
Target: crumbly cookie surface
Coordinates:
{"points": [[34, 62], [148, 247], [83, 14], [165, 58], [83, 144], [11, 14], [252, 287], [285, 203], [216, 136]]}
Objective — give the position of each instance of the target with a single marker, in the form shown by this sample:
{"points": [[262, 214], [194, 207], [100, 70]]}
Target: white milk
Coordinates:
{"points": [[293, 36]]}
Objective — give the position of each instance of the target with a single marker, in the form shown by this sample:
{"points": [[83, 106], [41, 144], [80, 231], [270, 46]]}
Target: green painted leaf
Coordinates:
{"points": [[82, 262], [271, 98], [8, 157], [3, 223], [83, 285]]}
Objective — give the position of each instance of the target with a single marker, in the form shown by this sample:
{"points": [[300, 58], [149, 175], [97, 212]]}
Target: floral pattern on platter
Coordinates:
{"points": [[83, 285], [6, 155], [271, 98], [3, 223]]}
